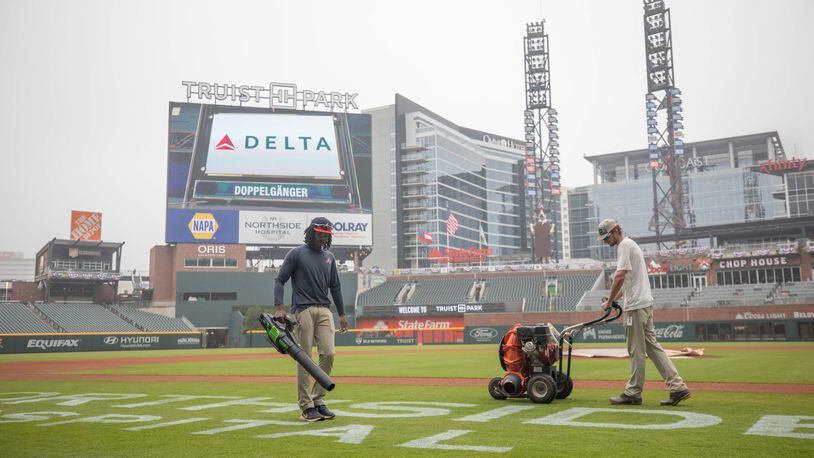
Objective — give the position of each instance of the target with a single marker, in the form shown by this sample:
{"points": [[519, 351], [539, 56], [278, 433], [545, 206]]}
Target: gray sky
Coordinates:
{"points": [[83, 116]]}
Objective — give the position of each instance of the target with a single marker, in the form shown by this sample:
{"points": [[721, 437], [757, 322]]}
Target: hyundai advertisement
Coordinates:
{"points": [[256, 176]]}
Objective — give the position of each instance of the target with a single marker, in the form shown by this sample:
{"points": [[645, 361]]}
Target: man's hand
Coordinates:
{"points": [[279, 313], [606, 303], [343, 323]]}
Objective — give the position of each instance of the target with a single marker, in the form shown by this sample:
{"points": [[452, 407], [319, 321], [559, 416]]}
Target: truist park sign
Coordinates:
{"points": [[274, 95]]}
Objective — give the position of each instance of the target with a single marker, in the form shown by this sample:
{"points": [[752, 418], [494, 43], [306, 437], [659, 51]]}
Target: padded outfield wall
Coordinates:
{"points": [[99, 341]]}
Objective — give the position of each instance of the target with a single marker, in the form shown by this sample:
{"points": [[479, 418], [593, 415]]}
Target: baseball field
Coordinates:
{"points": [[749, 399]]}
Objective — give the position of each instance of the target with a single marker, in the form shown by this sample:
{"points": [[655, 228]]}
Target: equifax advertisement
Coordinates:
{"points": [[273, 145]]}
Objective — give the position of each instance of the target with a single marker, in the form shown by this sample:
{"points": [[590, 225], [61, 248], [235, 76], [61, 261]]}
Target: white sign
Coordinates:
{"points": [[275, 95], [273, 145], [287, 228], [273, 228]]}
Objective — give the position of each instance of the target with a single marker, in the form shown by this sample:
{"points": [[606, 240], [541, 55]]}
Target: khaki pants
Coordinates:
{"points": [[314, 322], [641, 343]]}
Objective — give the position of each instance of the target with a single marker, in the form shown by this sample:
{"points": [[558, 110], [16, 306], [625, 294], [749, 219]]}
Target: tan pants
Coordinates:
{"points": [[641, 343], [314, 322]]}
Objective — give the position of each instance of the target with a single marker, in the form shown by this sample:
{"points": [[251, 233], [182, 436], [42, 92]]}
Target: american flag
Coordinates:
{"points": [[452, 224]]}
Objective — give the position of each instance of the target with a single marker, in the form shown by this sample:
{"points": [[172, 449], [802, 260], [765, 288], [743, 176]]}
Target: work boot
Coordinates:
{"points": [[326, 414], [311, 414], [676, 397], [625, 400]]}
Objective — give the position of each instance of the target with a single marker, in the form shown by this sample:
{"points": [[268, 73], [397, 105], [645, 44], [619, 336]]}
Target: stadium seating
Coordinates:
{"points": [[84, 317], [793, 293], [149, 321], [19, 318], [528, 289], [439, 292], [731, 295]]}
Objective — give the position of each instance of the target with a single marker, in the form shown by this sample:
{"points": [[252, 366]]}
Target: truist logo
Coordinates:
{"points": [[225, 144]]}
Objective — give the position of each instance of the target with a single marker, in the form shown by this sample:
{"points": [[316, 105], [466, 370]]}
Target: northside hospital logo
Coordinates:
{"points": [[203, 226]]}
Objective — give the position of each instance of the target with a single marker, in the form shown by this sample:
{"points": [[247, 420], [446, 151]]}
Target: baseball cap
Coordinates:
{"points": [[322, 224], [605, 228]]}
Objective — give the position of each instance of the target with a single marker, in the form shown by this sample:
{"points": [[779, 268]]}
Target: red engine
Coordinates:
{"points": [[526, 351]]}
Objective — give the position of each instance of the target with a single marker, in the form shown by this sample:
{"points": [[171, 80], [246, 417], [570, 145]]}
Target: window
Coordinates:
{"points": [[196, 296], [224, 296]]}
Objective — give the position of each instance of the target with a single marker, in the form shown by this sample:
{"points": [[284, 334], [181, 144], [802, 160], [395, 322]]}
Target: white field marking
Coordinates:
{"points": [[164, 425], [432, 443], [237, 402], [107, 418], [782, 426], [285, 407], [31, 395], [494, 413], [568, 417], [350, 434], [246, 424], [401, 406], [79, 399], [172, 398], [34, 416]]}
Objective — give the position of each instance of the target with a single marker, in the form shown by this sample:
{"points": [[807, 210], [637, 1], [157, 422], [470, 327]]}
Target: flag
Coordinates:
{"points": [[426, 237], [482, 235], [452, 224]]}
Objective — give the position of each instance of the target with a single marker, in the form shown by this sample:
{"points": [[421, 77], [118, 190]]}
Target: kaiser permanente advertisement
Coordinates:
{"points": [[254, 176]]}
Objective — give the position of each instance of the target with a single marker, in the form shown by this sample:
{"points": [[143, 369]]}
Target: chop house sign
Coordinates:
{"points": [[769, 261]]}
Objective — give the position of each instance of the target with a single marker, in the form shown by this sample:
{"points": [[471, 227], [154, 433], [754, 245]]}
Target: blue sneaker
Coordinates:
{"points": [[326, 414], [311, 415]]}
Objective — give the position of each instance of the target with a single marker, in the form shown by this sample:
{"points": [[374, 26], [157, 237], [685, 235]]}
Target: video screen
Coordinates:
{"points": [[235, 164]]}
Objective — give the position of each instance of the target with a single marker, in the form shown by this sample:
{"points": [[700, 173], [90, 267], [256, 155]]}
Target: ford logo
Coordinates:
{"points": [[483, 333], [111, 340]]}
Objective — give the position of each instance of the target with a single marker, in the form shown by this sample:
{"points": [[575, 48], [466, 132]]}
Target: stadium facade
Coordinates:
{"points": [[738, 192], [429, 169]]}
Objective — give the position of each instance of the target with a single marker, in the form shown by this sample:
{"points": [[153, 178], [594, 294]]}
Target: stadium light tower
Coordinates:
{"points": [[541, 128], [671, 212]]}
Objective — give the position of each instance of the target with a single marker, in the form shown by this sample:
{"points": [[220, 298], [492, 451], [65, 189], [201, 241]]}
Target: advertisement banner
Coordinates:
{"points": [[401, 324], [212, 226], [485, 334], [272, 228], [286, 228], [452, 309], [272, 192], [52, 343], [86, 225], [273, 145]]}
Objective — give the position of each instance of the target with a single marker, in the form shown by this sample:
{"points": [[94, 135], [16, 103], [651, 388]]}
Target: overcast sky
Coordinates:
{"points": [[83, 116]]}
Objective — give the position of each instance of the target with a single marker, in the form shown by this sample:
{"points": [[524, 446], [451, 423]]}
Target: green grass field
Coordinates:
{"points": [[251, 418]]}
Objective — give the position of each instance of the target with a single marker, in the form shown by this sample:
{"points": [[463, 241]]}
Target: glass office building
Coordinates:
{"points": [[725, 182], [437, 169]]}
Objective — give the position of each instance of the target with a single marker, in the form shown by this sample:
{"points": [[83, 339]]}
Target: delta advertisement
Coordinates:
{"points": [[255, 176]]}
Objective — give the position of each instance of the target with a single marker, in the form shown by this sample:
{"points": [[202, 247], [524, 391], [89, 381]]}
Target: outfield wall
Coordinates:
{"points": [[99, 341]]}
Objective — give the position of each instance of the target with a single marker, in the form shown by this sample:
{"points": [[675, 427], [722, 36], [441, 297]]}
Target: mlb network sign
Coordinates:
{"points": [[275, 95], [273, 145]]}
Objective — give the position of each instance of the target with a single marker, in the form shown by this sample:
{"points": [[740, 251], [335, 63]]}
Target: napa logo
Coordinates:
{"points": [[203, 226]]}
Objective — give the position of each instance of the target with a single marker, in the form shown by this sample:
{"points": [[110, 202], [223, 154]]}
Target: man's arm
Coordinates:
{"points": [[616, 288], [279, 285], [336, 294]]}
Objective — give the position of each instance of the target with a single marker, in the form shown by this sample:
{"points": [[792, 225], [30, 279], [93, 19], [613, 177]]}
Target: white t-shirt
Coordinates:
{"points": [[637, 286]]}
